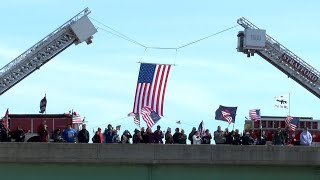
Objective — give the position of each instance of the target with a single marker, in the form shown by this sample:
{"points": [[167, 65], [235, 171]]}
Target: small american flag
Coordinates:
{"points": [[149, 116], [254, 115], [136, 118], [201, 128], [292, 122], [151, 87], [76, 119], [43, 105]]}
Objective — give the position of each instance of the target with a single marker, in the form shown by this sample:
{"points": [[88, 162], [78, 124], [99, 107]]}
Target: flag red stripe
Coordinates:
{"points": [[145, 112], [143, 95], [164, 89], [154, 88], [160, 90], [138, 98]]}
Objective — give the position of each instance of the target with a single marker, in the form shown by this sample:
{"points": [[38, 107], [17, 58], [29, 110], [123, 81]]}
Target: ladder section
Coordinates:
{"points": [[76, 30], [283, 59]]}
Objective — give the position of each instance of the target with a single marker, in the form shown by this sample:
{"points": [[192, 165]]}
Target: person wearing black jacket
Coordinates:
{"points": [[247, 139], [19, 135], [261, 140], [83, 135], [176, 136], [145, 137], [191, 135], [236, 139], [96, 138], [278, 138]]}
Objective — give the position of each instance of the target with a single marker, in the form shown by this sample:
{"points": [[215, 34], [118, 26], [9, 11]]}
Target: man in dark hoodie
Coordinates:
{"points": [[83, 135], [191, 135], [19, 134], [108, 134], [176, 136]]}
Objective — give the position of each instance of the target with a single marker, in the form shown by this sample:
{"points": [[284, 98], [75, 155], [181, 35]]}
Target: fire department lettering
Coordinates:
{"points": [[298, 67]]}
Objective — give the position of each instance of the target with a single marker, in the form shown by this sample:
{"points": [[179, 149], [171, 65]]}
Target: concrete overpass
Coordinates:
{"points": [[154, 161]]}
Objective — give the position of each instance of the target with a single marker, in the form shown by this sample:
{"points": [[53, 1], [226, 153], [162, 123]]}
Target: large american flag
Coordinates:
{"points": [[254, 115], [292, 122], [151, 87], [149, 116]]}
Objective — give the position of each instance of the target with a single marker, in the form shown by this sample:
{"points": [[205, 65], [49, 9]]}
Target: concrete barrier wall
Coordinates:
{"points": [[159, 154]]}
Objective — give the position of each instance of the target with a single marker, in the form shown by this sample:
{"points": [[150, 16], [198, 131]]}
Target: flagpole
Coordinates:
{"points": [[228, 126], [7, 124], [260, 128], [233, 126], [157, 63]]}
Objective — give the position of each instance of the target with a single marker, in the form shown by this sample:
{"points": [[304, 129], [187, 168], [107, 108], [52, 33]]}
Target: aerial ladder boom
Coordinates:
{"points": [[254, 40], [76, 30]]}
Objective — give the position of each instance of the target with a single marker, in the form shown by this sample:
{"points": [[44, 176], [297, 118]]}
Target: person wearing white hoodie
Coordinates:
{"points": [[196, 138], [305, 137]]}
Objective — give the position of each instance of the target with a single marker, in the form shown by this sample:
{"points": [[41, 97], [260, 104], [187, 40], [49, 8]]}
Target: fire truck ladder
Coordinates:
{"points": [[76, 30], [283, 59]]}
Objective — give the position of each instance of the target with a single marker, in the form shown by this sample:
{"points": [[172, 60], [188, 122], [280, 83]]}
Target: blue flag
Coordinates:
{"points": [[225, 113]]}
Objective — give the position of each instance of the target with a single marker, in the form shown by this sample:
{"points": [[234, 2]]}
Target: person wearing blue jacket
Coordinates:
{"points": [[69, 133], [305, 137]]}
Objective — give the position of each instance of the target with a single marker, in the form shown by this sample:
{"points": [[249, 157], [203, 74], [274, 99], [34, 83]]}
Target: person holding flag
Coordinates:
{"points": [[218, 136], [197, 138]]}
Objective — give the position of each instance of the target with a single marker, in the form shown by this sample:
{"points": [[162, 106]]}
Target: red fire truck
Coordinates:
{"points": [[269, 124], [31, 122]]}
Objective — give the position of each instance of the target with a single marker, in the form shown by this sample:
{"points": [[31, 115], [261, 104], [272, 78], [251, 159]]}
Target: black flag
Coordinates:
{"points": [[225, 113], [43, 105]]}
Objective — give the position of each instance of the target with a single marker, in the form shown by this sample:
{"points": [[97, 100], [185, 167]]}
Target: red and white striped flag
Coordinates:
{"points": [[292, 122], [151, 87], [254, 115], [201, 128], [76, 118], [136, 118], [149, 116]]}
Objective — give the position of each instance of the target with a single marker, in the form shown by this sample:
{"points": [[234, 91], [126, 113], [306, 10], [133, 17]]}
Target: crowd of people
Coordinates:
{"points": [[110, 135], [279, 137]]}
